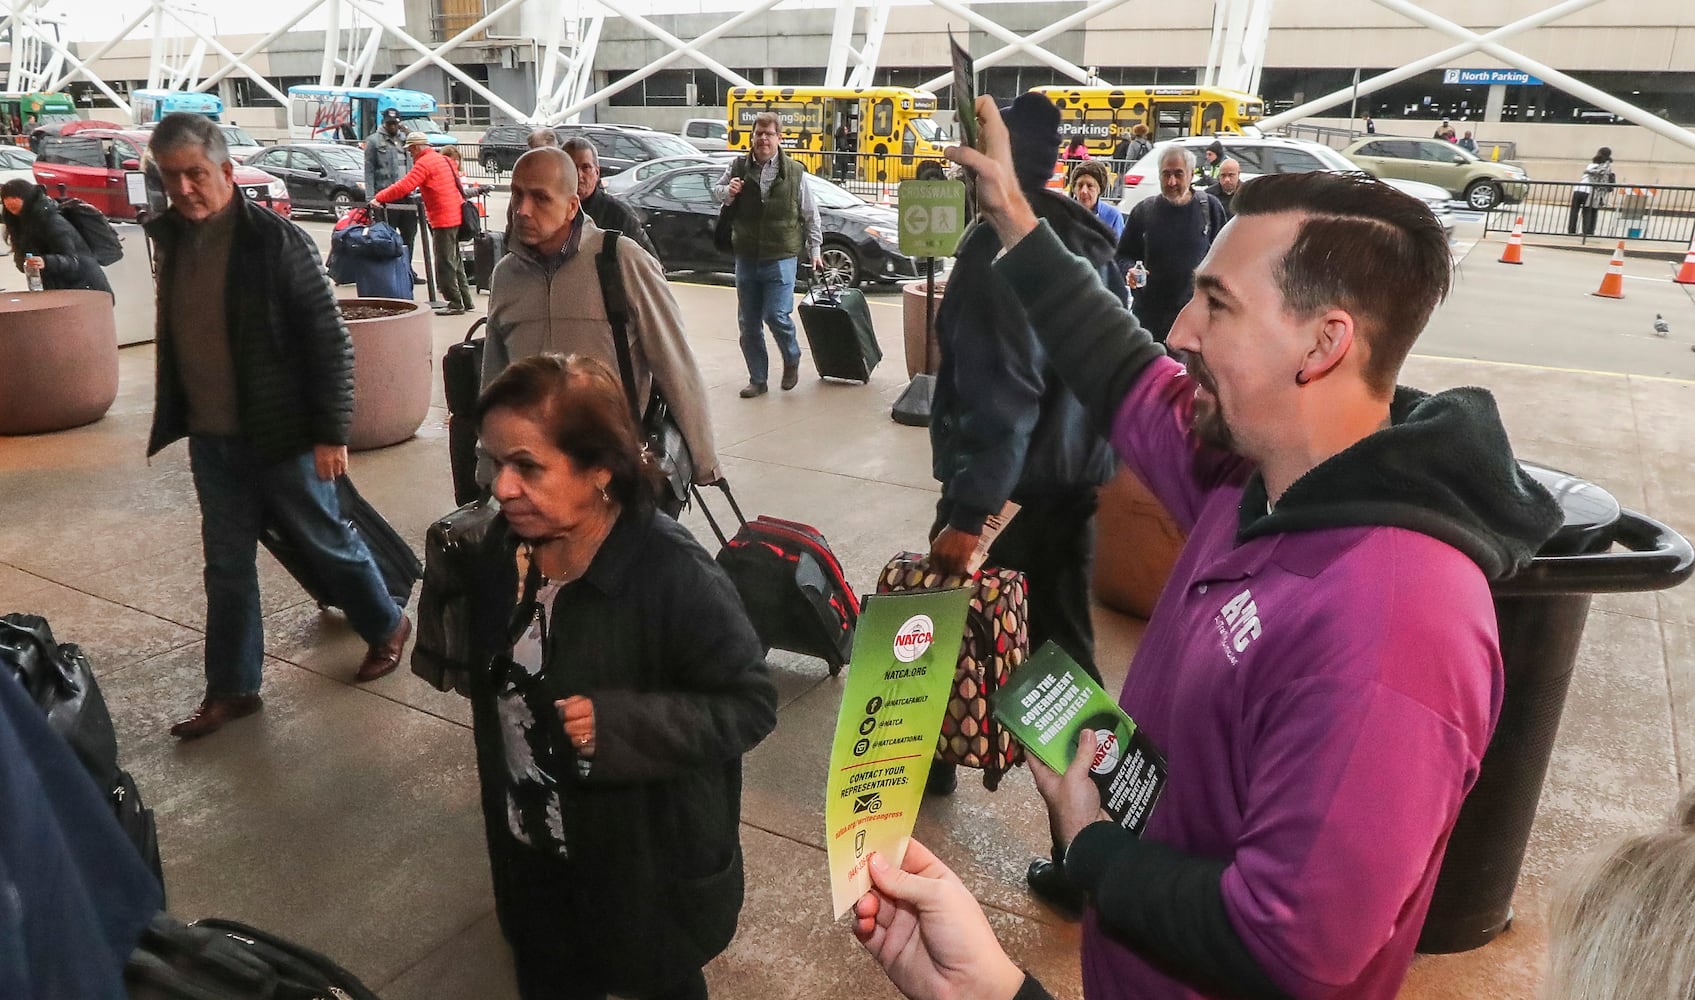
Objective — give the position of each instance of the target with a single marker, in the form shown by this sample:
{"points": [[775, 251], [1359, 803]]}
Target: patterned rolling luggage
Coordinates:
{"points": [[997, 642]]}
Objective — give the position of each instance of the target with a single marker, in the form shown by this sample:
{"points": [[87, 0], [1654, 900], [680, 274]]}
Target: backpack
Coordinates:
{"points": [[95, 229], [225, 960], [59, 679]]}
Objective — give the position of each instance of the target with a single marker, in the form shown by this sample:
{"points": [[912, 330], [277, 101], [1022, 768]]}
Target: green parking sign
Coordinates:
{"points": [[932, 217]]}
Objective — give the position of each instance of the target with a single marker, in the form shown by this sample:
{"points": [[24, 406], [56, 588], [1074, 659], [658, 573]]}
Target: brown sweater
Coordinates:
{"points": [[205, 364]]}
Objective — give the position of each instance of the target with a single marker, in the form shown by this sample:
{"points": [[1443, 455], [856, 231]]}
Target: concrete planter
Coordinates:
{"points": [[391, 370], [1136, 545], [58, 359]]}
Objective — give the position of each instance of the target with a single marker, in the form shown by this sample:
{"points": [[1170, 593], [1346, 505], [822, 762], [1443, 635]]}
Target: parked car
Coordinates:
{"points": [[242, 146], [649, 169], [706, 133], [1479, 183], [90, 164], [861, 241], [1272, 155], [501, 145], [321, 176], [16, 163], [623, 146]]}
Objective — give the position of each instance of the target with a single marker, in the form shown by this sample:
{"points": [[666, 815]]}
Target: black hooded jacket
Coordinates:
{"points": [[610, 213], [1002, 426], [42, 230]]}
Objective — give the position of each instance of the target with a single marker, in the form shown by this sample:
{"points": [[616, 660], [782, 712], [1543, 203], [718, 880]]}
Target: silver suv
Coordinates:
{"points": [[1271, 155]]}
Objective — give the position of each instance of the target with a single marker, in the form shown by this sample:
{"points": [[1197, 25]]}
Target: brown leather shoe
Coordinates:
{"points": [[213, 711], [381, 659], [791, 376]]}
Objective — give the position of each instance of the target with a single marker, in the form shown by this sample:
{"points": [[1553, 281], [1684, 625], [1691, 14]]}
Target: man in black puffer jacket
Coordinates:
{"points": [[1002, 427], [35, 226], [255, 368]]}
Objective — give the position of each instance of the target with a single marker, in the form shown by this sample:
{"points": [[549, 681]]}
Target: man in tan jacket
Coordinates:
{"points": [[546, 297]]}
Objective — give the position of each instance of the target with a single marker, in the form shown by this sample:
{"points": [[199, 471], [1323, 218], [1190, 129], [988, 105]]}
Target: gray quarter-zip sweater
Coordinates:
{"points": [[538, 305]]}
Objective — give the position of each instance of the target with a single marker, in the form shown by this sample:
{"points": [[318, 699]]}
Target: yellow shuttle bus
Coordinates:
{"points": [[889, 128], [1104, 115]]}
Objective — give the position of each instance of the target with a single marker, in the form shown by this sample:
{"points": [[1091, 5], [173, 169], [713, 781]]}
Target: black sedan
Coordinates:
{"points": [[678, 211], [321, 176]]}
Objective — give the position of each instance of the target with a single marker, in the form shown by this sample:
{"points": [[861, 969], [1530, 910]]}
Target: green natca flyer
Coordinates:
{"points": [[1050, 701], [905, 648]]}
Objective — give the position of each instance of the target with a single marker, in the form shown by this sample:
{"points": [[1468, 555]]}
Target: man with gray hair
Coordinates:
{"points": [[606, 211], [255, 367], [547, 296], [1168, 233]]}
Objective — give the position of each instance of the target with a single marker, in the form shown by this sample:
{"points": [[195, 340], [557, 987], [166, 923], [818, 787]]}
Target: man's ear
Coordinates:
{"points": [[1333, 337]]}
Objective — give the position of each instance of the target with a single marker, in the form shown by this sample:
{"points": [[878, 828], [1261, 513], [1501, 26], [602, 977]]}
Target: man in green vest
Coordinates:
{"points": [[775, 217]]}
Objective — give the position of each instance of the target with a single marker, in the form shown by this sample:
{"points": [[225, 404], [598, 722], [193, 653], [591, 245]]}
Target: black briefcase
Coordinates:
{"points": [[395, 559], [486, 251]]}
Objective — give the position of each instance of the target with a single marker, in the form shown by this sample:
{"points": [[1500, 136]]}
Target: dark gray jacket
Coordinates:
{"points": [[293, 356], [1001, 424], [42, 230]]}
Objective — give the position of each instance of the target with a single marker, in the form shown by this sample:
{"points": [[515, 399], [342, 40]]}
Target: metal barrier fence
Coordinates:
{"points": [[1614, 212]]}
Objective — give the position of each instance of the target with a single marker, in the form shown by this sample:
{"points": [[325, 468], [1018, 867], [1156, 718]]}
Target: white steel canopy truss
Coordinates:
{"points": [[1489, 44], [564, 37]]}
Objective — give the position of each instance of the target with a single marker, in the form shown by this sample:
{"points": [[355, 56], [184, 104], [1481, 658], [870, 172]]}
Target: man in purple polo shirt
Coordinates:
{"points": [[1322, 670]]}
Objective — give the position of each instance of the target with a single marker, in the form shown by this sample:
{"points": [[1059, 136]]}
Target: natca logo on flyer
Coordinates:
{"points": [[914, 638]]}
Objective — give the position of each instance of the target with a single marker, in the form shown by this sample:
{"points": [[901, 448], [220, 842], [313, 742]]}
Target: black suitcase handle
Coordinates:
{"points": [[724, 485]]}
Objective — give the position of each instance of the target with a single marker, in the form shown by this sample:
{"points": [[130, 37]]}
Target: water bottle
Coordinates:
{"points": [[1138, 275], [31, 274]]}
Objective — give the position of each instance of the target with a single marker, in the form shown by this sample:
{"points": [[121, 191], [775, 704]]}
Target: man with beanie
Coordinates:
{"points": [[386, 162], [1003, 427], [775, 218], [1169, 233]]}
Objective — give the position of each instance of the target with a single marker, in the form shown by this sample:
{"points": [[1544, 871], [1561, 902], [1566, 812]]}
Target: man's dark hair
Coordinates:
{"points": [[582, 407], [180, 128], [1363, 247]]}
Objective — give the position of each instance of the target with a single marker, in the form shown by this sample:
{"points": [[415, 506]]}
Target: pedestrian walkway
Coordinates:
{"points": [[346, 817]]}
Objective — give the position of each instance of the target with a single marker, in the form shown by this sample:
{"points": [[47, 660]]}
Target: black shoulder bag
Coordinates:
{"points": [[662, 437], [723, 235]]}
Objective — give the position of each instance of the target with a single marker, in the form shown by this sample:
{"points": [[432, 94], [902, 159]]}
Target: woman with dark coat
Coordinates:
{"points": [[615, 684], [35, 226]]}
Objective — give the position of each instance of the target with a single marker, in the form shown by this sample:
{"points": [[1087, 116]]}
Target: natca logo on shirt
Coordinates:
{"points": [[914, 638], [1238, 624]]}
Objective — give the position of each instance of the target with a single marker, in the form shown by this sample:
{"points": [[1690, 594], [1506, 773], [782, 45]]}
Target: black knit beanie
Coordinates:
{"points": [[1032, 123]]}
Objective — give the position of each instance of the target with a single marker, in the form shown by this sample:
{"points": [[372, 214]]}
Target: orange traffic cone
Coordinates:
{"points": [[884, 198], [1686, 273], [1612, 285], [1514, 253]]}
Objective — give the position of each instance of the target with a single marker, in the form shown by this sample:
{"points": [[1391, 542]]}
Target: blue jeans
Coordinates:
{"points": [[765, 292], [239, 494]]}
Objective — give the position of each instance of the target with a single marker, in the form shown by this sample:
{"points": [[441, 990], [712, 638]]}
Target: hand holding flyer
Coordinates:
{"points": [[1047, 705]]}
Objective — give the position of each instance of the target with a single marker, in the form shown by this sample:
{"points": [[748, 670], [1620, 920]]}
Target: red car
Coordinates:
{"points": [[90, 163]]}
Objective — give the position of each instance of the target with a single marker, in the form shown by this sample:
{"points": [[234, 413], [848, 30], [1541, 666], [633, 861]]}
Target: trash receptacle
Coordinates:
{"points": [[1540, 614]]}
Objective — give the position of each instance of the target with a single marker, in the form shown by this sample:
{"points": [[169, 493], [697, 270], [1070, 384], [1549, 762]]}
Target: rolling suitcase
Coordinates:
{"points": [[997, 642], [462, 383], [790, 583], [486, 251], [838, 329], [396, 561]]}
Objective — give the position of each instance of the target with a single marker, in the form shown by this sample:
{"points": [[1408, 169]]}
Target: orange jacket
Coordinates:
{"points": [[432, 174]]}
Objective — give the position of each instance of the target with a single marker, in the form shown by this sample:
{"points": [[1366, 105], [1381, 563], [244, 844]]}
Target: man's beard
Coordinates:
{"points": [[1206, 417]]}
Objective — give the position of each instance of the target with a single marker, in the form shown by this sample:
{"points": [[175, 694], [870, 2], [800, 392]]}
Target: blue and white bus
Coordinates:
{"points": [[349, 114], [154, 105]]}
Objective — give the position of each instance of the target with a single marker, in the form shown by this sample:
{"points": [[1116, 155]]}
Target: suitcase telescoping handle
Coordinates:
{"points": [[722, 484]]}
